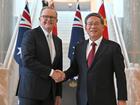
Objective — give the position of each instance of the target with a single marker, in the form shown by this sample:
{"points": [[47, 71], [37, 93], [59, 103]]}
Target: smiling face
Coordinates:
{"points": [[48, 18], [94, 27]]}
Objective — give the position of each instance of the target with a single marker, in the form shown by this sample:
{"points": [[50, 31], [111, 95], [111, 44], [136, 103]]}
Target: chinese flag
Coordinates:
{"points": [[55, 30], [103, 14]]}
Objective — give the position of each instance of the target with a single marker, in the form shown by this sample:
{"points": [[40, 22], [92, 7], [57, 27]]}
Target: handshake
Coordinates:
{"points": [[58, 75]]}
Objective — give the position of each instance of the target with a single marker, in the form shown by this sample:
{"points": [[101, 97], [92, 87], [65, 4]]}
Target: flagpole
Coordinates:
{"points": [[11, 47], [118, 35], [26, 1], [34, 8], [122, 42]]}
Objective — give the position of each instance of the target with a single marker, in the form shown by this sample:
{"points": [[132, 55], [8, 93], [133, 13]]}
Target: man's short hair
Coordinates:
{"points": [[47, 7], [94, 14]]}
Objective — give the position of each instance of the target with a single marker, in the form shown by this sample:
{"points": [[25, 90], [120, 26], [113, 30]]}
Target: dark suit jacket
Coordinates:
{"points": [[35, 82], [96, 84]]}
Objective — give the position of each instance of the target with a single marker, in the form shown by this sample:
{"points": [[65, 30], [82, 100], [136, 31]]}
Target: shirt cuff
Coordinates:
{"points": [[51, 72]]}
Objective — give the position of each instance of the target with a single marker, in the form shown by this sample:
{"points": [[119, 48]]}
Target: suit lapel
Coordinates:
{"points": [[44, 40]]}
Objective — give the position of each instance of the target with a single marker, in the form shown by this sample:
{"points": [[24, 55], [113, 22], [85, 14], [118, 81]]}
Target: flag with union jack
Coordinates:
{"points": [[77, 33], [24, 25]]}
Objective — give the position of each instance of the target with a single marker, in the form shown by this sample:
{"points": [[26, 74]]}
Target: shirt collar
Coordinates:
{"points": [[46, 33], [98, 41]]}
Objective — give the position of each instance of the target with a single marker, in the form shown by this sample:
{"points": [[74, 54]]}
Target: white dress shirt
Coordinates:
{"points": [[50, 43], [89, 46], [51, 47]]}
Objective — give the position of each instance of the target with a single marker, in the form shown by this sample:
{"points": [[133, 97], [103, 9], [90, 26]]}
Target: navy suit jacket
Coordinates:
{"points": [[96, 84], [35, 82]]}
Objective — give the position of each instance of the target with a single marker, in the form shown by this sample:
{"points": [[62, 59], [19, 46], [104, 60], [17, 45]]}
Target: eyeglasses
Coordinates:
{"points": [[48, 17], [93, 23]]}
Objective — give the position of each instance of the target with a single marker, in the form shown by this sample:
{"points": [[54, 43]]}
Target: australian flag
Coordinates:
{"points": [[24, 25], [77, 33]]}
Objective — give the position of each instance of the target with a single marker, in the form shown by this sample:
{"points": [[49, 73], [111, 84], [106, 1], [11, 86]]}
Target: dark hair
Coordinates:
{"points": [[94, 14]]}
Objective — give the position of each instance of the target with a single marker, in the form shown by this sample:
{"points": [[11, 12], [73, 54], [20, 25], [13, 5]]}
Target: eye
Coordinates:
{"points": [[48, 17]]}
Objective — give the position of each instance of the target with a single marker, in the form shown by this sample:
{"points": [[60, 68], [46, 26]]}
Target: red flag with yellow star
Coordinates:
{"points": [[103, 14], [54, 31]]}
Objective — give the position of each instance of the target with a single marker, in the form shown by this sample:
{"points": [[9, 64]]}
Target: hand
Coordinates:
{"points": [[122, 102], [58, 75], [57, 100]]}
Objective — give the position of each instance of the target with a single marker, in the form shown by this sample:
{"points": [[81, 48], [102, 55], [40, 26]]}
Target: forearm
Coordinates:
{"points": [[122, 102]]}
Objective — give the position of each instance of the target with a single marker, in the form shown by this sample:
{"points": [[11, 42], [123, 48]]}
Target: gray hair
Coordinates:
{"points": [[47, 7]]}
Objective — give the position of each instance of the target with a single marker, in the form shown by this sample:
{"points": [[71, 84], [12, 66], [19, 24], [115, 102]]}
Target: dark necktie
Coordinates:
{"points": [[91, 54]]}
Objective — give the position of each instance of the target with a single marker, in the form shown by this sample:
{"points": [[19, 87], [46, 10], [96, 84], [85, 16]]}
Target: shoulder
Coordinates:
{"points": [[114, 46], [34, 30], [110, 43], [57, 38], [31, 34]]}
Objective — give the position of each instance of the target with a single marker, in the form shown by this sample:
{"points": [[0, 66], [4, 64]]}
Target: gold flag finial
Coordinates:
{"points": [[49, 3]]}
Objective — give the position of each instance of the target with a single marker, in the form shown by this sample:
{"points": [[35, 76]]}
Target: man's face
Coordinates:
{"points": [[94, 27], [48, 19]]}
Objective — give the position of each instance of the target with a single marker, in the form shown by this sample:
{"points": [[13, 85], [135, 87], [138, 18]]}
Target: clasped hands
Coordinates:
{"points": [[58, 75]]}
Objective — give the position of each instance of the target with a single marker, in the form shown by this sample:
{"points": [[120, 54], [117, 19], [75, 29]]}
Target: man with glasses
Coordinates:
{"points": [[96, 60], [41, 55]]}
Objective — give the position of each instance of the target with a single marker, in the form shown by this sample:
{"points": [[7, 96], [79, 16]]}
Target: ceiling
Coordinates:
{"points": [[71, 6], [69, 0]]}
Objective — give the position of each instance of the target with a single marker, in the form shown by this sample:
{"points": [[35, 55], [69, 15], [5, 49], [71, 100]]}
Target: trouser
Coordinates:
{"points": [[27, 101]]}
